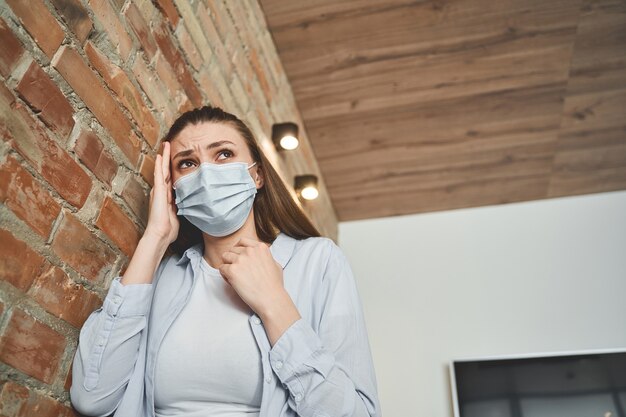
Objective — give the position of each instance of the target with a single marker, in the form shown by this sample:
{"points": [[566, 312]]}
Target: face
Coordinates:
{"points": [[216, 143]]}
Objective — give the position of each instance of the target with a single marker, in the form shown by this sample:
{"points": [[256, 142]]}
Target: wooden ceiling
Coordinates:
{"points": [[421, 106]]}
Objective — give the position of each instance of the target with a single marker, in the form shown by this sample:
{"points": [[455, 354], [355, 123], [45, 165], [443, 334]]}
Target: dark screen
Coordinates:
{"points": [[569, 386]]}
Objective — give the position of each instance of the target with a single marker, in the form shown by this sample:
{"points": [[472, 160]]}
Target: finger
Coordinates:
{"points": [[173, 198], [237, 249], [170, 192], [229, 257], [224, 270], [158, 172], [246, 241], [173, 209], [166, 161]]}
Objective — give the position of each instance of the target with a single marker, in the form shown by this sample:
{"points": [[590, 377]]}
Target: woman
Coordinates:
{"points": [[252, 314]]}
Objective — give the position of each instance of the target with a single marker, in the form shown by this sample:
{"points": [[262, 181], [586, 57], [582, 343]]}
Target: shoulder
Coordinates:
{"points": [[324, 251], [314, 245]]}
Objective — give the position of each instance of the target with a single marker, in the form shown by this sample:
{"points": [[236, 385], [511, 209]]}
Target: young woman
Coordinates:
{"points": [[248, 313]]}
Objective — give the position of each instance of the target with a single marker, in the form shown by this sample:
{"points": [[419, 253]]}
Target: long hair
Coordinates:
{"points": [[274, 209]]}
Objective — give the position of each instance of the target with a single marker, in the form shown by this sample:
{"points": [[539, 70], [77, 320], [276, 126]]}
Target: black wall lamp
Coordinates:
{"points": [[306, 186], [285, 136]]}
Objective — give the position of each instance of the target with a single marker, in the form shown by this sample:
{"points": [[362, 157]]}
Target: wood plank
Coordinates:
{"points": [[416, 106], [591, 149]]}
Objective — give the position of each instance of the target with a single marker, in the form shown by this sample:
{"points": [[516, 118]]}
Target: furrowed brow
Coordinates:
{"points": [[188, 152]]}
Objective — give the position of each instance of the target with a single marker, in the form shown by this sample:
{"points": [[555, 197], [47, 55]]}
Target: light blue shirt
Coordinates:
{"points": [[321, 366]]}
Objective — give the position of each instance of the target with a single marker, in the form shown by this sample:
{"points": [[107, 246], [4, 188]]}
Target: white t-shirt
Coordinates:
{"points": [[209, 363]]}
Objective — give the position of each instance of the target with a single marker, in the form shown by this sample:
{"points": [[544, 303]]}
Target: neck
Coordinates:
{"points": [[214, 246]]}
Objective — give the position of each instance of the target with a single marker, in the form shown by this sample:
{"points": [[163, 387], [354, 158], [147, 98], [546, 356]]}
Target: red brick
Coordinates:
{"points": [[64, 298], [32, 347], [153, 89], [40, 23], [214, 39], [189, 47], [263, 116], [19, 264], [137, 198], [243, 67], [44, 96], [221, 85], [260, 74], [147, 169], [81, 249], [76, 17], [108, 18], [254, 18], [117, 4], [114, 222], [240, 21], [166, 75], [91, 152], [12, 397], [30, 140], [19, 401], [174, 57], [141, 29], [87, 85], [169, 10], [220, 16], [130, 97], [11, 50], [68, 379], [207, 83], [26, 197]]}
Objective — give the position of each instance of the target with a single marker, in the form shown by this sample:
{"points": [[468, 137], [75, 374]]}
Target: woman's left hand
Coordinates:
{"points": [[251, 270]]}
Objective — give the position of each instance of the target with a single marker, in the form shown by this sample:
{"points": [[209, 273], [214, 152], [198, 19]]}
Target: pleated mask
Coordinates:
{"points": [[216, 198]]}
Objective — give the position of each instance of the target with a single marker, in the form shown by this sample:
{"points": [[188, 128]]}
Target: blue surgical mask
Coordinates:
{"points": [[216, 198]]}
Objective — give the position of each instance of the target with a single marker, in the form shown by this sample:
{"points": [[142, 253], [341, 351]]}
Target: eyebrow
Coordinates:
{"points": [[217, 144]]}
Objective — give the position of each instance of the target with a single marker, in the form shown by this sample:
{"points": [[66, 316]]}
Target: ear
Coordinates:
{"points": [[259, 178]]}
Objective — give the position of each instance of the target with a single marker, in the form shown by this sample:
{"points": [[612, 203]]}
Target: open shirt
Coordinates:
{"points": [[321, 366]]}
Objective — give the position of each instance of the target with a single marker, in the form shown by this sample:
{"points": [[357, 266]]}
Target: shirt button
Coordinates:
{"points": [[278, 364], [268, 379], [256, 320], [117, 299], [101, 341], [298, 397]]}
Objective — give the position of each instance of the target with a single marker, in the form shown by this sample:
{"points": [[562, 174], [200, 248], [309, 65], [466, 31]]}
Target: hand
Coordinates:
{"points": [[162, 221], [254, 274]]}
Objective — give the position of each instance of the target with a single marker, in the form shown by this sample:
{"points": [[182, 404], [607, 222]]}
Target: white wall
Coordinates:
{"points": [[540, 276]]}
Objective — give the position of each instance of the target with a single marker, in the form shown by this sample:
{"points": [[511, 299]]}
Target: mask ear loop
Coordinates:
{"points": [[257, 175]]}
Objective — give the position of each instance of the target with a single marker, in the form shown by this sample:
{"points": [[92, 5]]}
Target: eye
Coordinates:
{"points": [[185, 163], [227, 152]]}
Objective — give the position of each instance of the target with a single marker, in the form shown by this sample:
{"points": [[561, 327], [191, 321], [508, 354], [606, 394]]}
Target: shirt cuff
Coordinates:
{"points": [[127, 300], [298, 350]]}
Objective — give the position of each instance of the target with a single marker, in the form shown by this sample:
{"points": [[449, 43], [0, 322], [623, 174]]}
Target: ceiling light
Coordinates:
{"points": [[306, 186], [285, 136]]}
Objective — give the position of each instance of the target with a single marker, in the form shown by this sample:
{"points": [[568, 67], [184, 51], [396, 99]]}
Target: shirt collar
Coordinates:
{"points": [[281, 248]]}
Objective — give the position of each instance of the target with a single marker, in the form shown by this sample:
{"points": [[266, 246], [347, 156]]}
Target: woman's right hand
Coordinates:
{"points": [[162, 221]]}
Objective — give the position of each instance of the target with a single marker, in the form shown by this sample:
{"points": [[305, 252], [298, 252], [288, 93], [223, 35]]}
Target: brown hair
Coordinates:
{"points": [[274, 209]]}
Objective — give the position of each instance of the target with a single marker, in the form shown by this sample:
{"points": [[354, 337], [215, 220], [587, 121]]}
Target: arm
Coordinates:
{"points": [[331, 372], [109, 343]]}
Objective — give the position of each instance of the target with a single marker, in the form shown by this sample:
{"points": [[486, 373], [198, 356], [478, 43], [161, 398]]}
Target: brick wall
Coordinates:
{"points": [[88, 89]]}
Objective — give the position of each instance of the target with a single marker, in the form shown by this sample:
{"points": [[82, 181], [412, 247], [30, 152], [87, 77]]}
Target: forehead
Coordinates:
{"points": [[205, 134]]}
